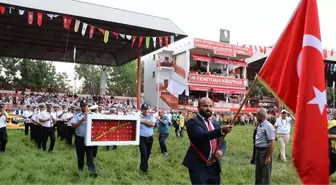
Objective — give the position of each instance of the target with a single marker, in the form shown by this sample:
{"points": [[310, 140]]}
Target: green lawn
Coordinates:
{"points": [[22, 163]]}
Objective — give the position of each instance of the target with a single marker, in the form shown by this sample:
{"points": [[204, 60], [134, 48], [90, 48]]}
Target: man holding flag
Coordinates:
{"points": [[299, 83]]}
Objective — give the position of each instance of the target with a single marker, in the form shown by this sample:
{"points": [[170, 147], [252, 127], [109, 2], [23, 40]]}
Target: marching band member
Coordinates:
{"points": [[37, 126], [27, 114], [3, 127], [79, 123], [59, 124], [46, 117]]}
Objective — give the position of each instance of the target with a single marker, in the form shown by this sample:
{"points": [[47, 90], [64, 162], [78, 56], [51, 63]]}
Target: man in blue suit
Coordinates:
{"points": [[202, 158]]}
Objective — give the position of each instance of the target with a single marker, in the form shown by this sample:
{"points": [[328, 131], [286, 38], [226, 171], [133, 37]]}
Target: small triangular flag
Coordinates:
{"points": [[147, 42], [140, 41], [106, 36], [116, 35], [30, 17], [39, 19], [167, 41], [77, 23], [21, 12], [2, 10], [84, 28], [154, 41], [172, 39], [102, 31], [122, 35], [10, 9], [92, 28], [160, 41], [129, 37], [133, 40]]}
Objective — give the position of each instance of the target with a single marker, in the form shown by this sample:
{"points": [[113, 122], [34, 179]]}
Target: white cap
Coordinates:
{"points": [[93, 107]]}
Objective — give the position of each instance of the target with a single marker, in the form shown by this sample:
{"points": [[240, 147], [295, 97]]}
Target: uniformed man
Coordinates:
{"points": [[3, 127], [63, 128], [27, 114], [67, 117], [79, 123], [47, 118], [94, 110], [59, 123], [37, 125], [264, 144], [146, 137]]}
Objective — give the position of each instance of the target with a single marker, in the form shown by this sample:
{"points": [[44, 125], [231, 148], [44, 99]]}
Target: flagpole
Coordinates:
{"points": [[333, 89], [235, 117]]}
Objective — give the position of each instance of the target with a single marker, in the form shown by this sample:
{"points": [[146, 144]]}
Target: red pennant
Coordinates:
{"points": [[244, 46], [332, 52], [166, 41], [101, 30], [2, 10], [67, 22], [261, 49], [92, 28], [255, 48], [160, 41], [133, 40], [140, 41], [116, 35], [39, 18], [325, 54], [30, 17]]}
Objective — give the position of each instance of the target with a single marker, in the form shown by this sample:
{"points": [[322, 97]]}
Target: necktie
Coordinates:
{"points": [[214, 141]]}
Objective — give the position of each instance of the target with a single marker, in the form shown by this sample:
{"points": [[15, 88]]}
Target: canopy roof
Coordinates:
{"points": [[51, 41]]}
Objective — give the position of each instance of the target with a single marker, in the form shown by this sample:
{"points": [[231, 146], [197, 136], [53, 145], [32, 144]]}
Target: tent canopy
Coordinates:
{"points": [[51, 41]]}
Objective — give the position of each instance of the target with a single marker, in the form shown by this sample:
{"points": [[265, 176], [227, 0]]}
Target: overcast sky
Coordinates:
{"points": [[251, 22]]}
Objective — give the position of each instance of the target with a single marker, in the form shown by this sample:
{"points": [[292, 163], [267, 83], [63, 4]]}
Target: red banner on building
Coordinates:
{"points": [[221, 61], [222, 47], [202, 58], [198, 88], [225, 53], [217, 80]]}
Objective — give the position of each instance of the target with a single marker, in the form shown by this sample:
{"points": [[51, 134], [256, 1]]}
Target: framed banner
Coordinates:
{"points": [[107, 130]]}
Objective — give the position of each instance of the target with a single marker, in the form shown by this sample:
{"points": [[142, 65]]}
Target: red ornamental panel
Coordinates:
{"points": [[113, 130]]}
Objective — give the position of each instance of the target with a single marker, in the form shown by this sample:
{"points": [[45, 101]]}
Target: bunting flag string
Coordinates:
{"points": [[67, 20]]}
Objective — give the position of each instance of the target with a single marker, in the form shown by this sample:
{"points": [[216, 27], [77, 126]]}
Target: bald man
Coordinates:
{"points": [[204, 135]]}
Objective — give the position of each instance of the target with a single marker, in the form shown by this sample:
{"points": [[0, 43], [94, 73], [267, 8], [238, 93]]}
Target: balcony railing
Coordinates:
{"points": [[180, 71], [169, 99], [166, 63]]}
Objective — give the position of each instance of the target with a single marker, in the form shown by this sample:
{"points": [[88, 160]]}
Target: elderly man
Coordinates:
{"points": [[264, 144], [203, 158], [283, 126]]}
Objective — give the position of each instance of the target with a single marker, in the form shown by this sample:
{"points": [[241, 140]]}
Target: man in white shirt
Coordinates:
{"points": [[283, 126], [47, 118], [27, 114], [3, 127], [67, 118]]}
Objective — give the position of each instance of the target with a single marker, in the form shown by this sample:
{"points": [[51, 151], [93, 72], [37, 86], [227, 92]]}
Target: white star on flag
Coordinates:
{"points": [[320, 99]]}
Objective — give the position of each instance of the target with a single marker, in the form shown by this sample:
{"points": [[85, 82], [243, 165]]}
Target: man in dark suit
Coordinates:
{"points": [[202, 158]]}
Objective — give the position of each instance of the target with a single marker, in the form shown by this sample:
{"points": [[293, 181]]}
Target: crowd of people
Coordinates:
{"points": [[68, 121]]}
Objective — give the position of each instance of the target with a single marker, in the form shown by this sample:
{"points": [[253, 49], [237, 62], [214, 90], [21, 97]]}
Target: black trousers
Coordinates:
{"points": [[38, 135], [332, 163], [3, 139], [162, 141], [27, 126], [48, 132], [69, 134], [32, 131], [81, 150], [208, 175], [145, 147], [60, 129]]}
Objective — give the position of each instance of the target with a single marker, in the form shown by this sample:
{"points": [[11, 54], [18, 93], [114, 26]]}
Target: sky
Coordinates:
{"points": [[251, 22]]}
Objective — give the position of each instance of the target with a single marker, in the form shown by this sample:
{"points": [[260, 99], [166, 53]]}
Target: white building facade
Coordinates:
{"points": [[177, 76]]}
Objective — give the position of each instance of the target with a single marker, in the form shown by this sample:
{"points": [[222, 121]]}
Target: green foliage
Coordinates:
{"points": [[121, 80], [23, 163], [35, 75], [330, 93], [259, 90]]}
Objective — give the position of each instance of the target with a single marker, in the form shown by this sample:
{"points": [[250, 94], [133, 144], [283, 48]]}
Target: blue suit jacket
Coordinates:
{"points": [[200, 137]]}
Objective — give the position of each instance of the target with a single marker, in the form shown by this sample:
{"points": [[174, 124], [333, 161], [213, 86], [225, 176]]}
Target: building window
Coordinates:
{"points": [[153, 74]]}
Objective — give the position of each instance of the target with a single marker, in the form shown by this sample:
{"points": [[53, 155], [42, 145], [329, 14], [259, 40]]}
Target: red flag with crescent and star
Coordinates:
{"points": [[294, 73]]}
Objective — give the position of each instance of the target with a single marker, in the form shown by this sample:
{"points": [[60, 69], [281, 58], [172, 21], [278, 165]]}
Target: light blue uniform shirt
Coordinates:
{"points": [[146, 131], [81, 129]]}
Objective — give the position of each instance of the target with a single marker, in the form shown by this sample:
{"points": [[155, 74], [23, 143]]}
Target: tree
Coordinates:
{"points": [[8, 71], [121, 80], [90, 75], [62, 83]]}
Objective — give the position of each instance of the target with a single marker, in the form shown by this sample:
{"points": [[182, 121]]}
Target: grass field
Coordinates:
{"points": [[22, 163]]}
